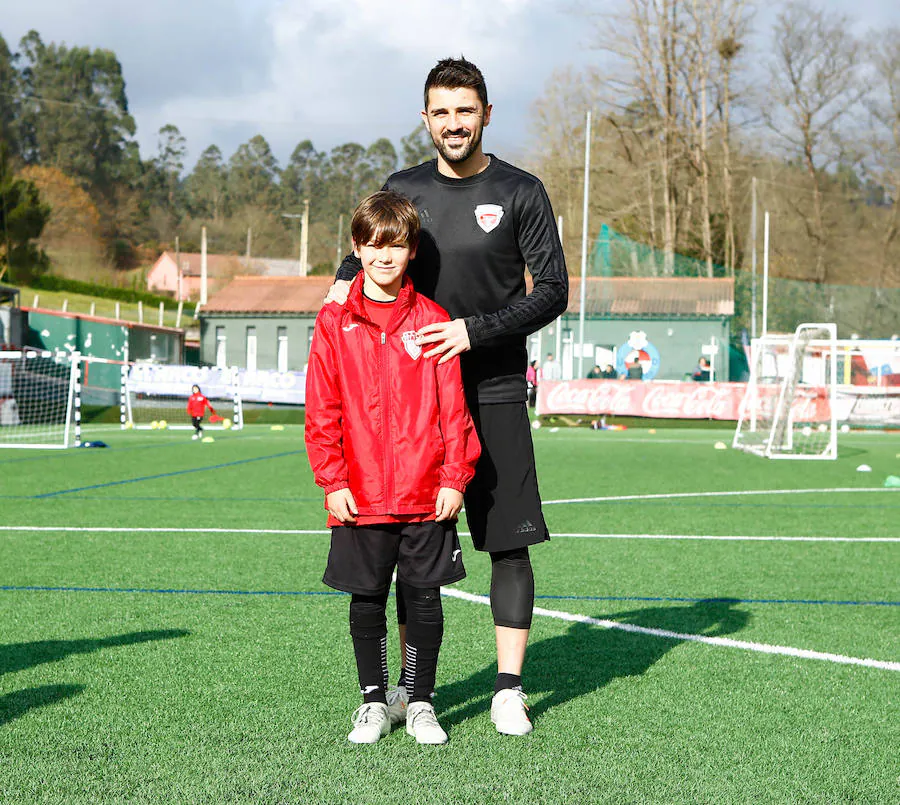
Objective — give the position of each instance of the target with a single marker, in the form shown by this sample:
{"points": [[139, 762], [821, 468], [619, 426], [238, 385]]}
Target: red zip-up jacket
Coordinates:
{"points": [[197, 405], [381, 419]]}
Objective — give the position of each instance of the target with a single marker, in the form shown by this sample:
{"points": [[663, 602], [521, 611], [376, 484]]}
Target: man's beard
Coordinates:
{"points": [[458, 155]]}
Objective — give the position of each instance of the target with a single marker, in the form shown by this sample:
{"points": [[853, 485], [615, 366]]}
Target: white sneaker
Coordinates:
{"points": [[195, 436], [422, 724], [397, 702], [508, 712], [370, 722]]}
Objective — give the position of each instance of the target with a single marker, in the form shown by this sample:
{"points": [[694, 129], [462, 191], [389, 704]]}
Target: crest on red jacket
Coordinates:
{"points": [[409, 341], [488, 216]]}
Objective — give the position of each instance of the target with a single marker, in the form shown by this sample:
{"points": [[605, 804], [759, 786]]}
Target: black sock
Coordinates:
{"points": [[401, 680], [424, 633], [369, 633], [507, 681]]}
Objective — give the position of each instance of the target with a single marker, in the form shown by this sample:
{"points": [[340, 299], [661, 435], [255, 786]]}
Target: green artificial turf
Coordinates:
{"points": [[177, 644]]}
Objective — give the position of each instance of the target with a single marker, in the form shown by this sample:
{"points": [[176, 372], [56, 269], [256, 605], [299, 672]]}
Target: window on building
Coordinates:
{"points": [[221, 355], [282, 349], [251, 349]]}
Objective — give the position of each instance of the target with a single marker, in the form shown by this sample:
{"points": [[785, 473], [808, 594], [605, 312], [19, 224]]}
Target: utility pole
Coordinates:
{"points": [[340, 238], [203, 268], [249, 242], [303, 217]]}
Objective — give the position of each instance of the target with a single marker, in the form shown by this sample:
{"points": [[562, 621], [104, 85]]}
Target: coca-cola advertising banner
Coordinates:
{"points": [[667, 400]]}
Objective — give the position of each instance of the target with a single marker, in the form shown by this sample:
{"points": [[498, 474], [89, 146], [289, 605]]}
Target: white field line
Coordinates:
{"points": [[722, 642], [300, 532], [737, 493]]}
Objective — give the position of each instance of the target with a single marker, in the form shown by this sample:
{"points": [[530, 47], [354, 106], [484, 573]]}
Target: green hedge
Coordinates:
{"points": [[50, 282]]}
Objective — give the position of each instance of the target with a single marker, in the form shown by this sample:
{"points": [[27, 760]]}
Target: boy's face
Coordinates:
{"points": [[385, 264]]}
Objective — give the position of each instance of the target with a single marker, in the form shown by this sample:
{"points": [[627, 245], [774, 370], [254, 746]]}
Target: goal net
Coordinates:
{"points": [[789, 410], [40, 399], [155, 396]]}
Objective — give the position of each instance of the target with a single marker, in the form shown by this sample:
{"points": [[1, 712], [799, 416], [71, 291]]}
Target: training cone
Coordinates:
{"points": [[208, 439], [892, 481], [277, 427], [720, 446], [864, 468], [652, 430]]}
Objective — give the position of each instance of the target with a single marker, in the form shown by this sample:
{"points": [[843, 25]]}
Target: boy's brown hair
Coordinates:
{"points": [[385, 217], [456, 73]]}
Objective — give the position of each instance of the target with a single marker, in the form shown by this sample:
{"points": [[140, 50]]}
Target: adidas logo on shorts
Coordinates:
{"points": [[526, 527]]}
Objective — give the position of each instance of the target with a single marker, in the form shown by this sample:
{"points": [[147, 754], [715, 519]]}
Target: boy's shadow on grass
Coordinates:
{"points": [[21, 656], [588, 657]]}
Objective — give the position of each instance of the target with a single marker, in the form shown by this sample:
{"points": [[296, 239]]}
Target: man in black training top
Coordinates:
{"points": [[484, 221]]}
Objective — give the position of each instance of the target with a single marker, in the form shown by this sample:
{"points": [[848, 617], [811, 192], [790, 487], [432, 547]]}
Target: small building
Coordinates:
{"points": [[260, 323], [664, 323], [179, 275]]}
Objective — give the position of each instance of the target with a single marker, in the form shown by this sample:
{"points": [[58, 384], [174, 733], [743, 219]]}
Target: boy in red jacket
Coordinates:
{"points": [[196, 408], [391, 441]]}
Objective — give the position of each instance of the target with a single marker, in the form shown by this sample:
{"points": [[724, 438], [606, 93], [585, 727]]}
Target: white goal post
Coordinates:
{"points": [[40, 399], [154, 396], [789, 409]]}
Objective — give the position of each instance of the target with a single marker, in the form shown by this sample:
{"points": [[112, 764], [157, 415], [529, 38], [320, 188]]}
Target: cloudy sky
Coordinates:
{"points": [[332, 71]]}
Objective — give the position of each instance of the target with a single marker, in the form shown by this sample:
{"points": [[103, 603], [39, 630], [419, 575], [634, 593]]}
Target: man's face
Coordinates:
{"points": [[455, 119]]}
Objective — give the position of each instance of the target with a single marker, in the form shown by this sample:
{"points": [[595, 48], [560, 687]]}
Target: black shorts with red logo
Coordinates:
{"points": [[362, 558], [503, 504]]}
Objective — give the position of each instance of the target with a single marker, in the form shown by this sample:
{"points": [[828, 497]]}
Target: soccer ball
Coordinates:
{"points": [[226, 423], [154, 425], [129, 425], [163, 424], [536, 424], [807, 430], [845, 428], [823, 427]]}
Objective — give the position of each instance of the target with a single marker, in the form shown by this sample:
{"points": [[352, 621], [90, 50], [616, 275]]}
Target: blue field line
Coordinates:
{"points": [[651, 599], [164, 475]]}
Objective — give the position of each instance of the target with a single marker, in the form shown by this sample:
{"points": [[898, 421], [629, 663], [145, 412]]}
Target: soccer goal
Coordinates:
{"points": [[789, 410], [155, 396], [40, 399]]}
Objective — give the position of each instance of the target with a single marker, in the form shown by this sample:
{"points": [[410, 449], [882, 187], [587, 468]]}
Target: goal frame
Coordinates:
{"points": [[72, 424], [782, 421]]}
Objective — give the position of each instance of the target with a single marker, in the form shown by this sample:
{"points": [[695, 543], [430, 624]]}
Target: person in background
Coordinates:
{"points": [[197, 406], [634, 370], [609, 372], [596, 373], [552, 370], [702, 372], [532, 376]]}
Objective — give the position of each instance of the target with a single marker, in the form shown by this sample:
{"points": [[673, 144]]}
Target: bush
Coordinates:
{"points": [[50, 282]]}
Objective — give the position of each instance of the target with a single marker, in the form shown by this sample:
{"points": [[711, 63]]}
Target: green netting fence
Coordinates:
{"points": [[864, 311]]}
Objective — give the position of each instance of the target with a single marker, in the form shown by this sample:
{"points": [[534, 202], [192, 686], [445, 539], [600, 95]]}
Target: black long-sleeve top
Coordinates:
{"points": [[478, 235]]}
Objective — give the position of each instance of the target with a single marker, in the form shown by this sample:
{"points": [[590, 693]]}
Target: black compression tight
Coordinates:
{"points": [[512, 590]]}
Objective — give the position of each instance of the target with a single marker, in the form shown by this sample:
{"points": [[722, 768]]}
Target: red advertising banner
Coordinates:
{"points": [[666, 400]]}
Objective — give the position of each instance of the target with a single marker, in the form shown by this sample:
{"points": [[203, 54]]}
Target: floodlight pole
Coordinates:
{"points": [[753, 260], [584, 240], [765, 299], [559, 321]]}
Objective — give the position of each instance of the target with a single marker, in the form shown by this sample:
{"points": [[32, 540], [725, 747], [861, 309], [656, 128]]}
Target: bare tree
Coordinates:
{"points": [[815, 83], [884, 148]]}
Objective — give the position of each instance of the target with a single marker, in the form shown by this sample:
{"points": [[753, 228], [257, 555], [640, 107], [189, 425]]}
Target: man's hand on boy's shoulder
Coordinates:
{"points": [[342, 506], [449, 503], [338, 292], [449, 337]]}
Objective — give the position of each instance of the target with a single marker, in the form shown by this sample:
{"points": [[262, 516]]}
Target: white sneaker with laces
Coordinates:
{"points": [[508, 712], [397, 702], [370, 722], [422, 724]]}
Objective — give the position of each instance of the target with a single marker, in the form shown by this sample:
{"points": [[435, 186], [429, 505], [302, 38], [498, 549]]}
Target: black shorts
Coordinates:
{"points": [[197, 421], [503, 505], [362, 558]]}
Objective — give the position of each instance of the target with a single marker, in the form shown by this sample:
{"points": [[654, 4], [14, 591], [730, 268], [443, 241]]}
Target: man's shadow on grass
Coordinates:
{"points": [[589, 657], [21, 656]]}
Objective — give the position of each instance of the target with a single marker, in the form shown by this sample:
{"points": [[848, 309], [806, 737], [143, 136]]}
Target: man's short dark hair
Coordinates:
{"points": [[456, 73], [385, 217]]}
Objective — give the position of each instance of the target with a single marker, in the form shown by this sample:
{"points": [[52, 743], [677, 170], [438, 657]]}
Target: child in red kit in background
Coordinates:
{"points": [[391, 441], [196, 407]]}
